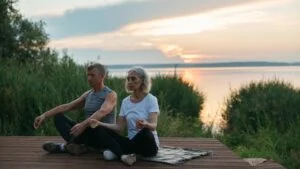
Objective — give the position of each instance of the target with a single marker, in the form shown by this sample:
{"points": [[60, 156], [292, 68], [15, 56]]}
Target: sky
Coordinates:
{"points": [[170, 31]]}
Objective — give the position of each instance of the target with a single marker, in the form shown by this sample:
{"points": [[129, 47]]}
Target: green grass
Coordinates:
{"points": [[263, 120], [178, 95], [28, 90]]}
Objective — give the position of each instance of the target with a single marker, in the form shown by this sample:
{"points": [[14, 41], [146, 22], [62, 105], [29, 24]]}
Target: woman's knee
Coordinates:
{"points": [[150, 151], [146, 130], [147, 134]]}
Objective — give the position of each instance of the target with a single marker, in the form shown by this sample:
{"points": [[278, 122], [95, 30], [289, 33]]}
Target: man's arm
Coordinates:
{"points": [[107, 106], [77, 103]]}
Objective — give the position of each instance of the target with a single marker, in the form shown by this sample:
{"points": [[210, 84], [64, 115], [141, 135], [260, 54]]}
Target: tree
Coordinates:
{"points": [[6, 31], [20, 38]]}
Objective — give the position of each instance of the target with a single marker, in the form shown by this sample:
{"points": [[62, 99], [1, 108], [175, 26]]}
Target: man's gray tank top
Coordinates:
{"points": [[94, 101]]}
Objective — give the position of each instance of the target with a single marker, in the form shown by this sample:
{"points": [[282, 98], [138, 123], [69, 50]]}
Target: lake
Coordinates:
{"points": [[217, 82]]}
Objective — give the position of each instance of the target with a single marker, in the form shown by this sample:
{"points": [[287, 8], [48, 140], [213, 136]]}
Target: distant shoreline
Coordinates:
{"points": [[189, 65]]}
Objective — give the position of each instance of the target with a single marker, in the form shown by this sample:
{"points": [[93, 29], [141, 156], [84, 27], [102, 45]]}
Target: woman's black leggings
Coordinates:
{"points": [[143, 143]]}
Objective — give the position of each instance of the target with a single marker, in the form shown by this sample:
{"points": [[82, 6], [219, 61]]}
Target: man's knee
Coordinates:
{"points": [[58, 119], [99, 129]]}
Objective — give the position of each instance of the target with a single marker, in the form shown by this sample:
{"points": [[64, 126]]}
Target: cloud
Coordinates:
{"points": [[110, 18], [106, 41], [236, 31], [239, 29], [54, 8], [111, 57]]}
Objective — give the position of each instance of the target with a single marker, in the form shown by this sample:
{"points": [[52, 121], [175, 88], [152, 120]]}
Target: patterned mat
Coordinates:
{"points": [[176, 155]]}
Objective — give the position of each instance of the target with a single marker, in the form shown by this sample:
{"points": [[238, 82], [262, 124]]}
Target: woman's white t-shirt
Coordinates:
{"points": [[139, 111]]}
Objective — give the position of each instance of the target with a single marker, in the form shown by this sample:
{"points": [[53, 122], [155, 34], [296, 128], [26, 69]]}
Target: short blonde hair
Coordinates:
{"points": [[143, 74]]}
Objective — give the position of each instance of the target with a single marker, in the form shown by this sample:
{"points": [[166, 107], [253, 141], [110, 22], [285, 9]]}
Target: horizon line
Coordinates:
{"points": [[217, 64], [214, 63]]}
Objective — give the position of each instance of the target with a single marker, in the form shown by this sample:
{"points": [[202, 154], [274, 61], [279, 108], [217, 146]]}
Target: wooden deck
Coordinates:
{"points": [[19, 152]]}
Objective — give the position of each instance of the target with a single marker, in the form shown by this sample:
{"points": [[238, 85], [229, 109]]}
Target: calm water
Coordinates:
{"points": [[216, 83]]}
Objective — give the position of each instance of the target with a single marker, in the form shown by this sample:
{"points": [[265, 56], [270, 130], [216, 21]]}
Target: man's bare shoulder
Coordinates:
{"points": [[84, 95], [112, 95]]}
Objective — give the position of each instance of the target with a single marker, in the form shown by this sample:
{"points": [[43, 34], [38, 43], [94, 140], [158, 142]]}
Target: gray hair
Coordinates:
{"points": [[143, 74], [101, 68]]}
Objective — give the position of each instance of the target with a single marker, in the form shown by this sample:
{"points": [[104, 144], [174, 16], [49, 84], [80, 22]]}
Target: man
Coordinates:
{"points": [[98, 103]]}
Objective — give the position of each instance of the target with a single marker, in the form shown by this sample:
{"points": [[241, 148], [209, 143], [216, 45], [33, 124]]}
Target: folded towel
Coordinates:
{"points": [[176, 155]]}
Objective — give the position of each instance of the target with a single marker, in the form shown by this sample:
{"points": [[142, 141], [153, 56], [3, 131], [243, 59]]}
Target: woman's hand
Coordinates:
{"points": [[93, 123], [141, 124]]}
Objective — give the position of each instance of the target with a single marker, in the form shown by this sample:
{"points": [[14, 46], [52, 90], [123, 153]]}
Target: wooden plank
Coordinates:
{"points": [[26, 152]]}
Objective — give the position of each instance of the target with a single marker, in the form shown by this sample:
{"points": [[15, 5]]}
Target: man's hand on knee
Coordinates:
{"points": [[77, 129]]}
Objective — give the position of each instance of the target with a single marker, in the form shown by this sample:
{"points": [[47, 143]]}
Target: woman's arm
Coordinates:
{"points": [[150, 124], [118, 127]]}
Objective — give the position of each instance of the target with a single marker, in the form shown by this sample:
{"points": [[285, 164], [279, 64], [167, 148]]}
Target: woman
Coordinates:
{"points": [[139, 112]]}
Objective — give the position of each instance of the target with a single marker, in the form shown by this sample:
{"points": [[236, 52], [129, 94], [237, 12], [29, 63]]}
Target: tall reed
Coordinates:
{"points": [[27, 90]]}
